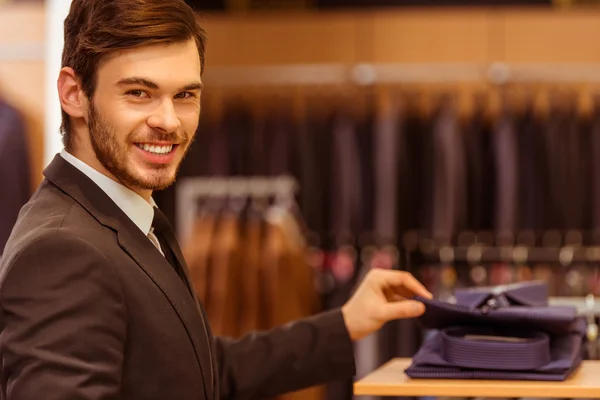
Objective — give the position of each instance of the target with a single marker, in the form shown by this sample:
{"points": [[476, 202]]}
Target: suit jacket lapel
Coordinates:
{"points": [[83, 190], [164, 276], [174, 243]]}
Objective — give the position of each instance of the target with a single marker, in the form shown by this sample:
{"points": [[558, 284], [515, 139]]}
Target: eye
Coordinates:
{"points": [[140, 94], [185, 95]]}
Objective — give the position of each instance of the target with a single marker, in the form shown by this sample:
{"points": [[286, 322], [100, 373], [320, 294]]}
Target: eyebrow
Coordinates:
{"points": [[151, 85], [192, 86], [137, 81]]}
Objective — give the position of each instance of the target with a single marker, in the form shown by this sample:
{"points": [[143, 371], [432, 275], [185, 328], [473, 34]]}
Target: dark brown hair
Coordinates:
{"points": [[96, 28]]}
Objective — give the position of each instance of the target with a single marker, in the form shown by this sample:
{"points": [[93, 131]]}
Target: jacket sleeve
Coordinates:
{"points": [[62, 321], [295, 356]]}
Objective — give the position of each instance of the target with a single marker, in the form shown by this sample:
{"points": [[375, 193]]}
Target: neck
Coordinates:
{"points": [[145, 194]]}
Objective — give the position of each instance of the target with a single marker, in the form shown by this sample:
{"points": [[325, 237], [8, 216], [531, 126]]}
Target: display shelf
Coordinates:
{"points": [[390, 380]]}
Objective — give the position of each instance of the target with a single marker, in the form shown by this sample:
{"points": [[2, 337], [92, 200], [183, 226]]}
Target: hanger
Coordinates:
{"points": [[258, 193]]}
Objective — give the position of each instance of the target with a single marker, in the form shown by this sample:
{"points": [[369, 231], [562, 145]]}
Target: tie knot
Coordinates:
{"points": [[160, 222]]}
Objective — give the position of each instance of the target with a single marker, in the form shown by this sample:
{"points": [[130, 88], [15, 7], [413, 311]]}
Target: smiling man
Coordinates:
{"points": [[95, 297]]}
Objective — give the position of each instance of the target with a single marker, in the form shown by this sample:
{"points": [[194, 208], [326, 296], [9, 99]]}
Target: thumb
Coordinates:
{"points": [[403, 309]]}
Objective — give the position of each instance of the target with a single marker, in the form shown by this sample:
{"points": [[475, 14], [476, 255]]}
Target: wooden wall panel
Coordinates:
{"points": [[430, 36], [281, 39], [551, 36], [391, 36]]}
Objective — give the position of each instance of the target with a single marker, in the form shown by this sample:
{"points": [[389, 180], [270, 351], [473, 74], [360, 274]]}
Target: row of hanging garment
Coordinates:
{"points": [[248, 262], [365, 168], [15, 178]]}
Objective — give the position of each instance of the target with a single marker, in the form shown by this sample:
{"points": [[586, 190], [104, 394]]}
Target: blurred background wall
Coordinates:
{"points": [[352, 34], [454, 139]]}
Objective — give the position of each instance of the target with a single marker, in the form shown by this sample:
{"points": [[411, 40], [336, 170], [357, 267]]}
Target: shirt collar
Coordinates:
{"points": [[133, 205]]}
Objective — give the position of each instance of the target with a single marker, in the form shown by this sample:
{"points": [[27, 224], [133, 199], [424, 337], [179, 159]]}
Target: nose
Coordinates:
{"points": [[165, 118]]}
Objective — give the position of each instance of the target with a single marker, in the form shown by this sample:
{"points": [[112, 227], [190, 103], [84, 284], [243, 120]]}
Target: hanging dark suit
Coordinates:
{"points": [[448, 192], [505, 144], [532, 188], [14, 169], [479, 170], [92, 310]]}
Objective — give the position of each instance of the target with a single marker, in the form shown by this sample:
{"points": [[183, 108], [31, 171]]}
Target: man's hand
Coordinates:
{"points": [[381, 297]]}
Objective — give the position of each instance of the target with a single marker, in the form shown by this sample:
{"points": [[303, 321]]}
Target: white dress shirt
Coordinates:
{"points": [[132, 204]]}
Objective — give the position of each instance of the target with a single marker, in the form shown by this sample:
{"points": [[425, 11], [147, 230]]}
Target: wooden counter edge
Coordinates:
{"points": [[583, 383]]}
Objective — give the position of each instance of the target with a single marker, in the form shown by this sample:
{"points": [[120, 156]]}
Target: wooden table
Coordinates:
{"points": [[390, 380]]}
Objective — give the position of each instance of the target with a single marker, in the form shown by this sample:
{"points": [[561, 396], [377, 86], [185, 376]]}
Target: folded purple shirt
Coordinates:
{"points": [[503, 332]]}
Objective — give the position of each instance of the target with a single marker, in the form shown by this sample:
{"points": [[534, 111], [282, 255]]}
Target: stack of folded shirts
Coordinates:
{"points": [[504, 332]]}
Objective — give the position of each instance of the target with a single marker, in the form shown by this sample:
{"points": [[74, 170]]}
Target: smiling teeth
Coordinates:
{"points": [[156, 149]]}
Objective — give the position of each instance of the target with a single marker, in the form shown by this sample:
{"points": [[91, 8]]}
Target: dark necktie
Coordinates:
{"points": [[165, 234]]}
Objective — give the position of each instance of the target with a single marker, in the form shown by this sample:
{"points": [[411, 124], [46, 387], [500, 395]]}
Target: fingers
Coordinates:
{"points": [[402, 282], [402, 291], [402, 310], [393, 295]]}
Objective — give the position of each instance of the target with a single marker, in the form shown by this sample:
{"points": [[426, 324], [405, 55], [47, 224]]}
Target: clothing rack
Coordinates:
{"points": [[550, 247], [475, 254], [337, 164], [189, 189]]}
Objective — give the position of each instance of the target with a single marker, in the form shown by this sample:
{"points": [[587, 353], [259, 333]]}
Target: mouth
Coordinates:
{"points": [[158, 150], [157, 153]]}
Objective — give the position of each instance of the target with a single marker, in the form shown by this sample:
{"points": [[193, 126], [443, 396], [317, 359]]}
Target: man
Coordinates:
{"points": [[95, 297]]}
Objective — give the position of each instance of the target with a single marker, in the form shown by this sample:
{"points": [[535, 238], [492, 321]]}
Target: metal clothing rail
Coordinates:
{"points": [[252, 186], [475, 254], [190, 189], [496, 73]]}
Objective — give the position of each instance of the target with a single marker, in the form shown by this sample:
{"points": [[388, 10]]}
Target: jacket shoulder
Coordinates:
{"points": [[50, 215], [48, 252]]}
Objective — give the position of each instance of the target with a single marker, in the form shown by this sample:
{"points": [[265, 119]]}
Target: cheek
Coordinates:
{"points": [[189, 121], [129, 129], [188, 111]]}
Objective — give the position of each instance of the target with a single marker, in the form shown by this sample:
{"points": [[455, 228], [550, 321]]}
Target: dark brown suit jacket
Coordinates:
{"points": [[91, 310]]}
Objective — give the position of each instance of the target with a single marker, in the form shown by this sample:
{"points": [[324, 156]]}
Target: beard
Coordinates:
{"points": [[114, 155]]}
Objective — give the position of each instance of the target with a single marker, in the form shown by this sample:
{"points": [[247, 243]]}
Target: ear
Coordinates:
{"points": [[72, 98]]}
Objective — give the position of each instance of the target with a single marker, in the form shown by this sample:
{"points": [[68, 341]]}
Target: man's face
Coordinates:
{"points": [[144, 113]]}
